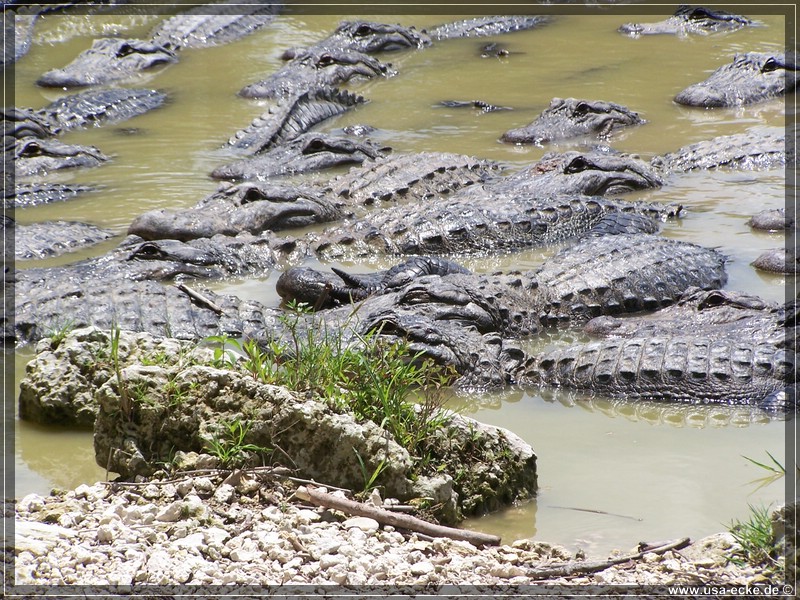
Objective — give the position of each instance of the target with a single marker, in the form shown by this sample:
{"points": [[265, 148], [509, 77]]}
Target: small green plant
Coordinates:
{"points": [[58, 332], [224, 357], [755, 538], [775, 471], [230, 447], [370, 479]]}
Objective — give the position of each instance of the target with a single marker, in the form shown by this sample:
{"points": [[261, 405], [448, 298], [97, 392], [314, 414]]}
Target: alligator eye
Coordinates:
{"points": [[146, 251], [253, 194], [315, 145], [700, 13], [363, 31], [325, 60], [581, 108], [578, 164], [770, 65], [125, 50]]}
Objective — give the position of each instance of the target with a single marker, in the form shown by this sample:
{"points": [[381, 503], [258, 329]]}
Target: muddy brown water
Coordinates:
{"points": [[611, 473]]}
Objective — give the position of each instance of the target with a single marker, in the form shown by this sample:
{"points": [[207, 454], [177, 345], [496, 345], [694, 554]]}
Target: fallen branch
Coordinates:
{"points": [[198, 297], [581, 567], [398, 520]]}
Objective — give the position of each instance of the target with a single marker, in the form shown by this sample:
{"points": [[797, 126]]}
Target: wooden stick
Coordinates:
{"points": [[580, 567], [197, 296], [398, 520]]}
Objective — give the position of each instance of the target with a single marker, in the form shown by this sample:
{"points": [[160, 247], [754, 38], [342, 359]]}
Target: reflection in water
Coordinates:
{"points": [[679, 469]]}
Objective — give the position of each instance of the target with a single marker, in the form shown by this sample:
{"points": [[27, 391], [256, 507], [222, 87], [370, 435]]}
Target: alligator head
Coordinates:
{"points": [[370, 37], [750, 78], [592, 173], [308, 152], [164, 259], [314, 68], [106, 61], [34, 155], [249, 207], [566, 118], [689, 19]]}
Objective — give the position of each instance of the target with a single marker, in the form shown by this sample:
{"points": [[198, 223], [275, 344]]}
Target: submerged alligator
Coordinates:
{"points": [[751, 77], [24, 195], [570, 117], [34, 156], [690, 19], [54, 238], [310, 70], [109, 60], [487, 26], [305, 153], [255, 207]]}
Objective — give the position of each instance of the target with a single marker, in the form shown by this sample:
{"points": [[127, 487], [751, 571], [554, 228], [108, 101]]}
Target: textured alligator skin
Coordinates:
{"points": [[778, 260], [419, 176], [251, 207], [133, 305], [316, 69], [292, 116], [458, 226], [100, 107], [756, 149], [307, 152], [34, 156], [54, 238], [214, 24], [627, 273], [751, 77], [689, 19], [107, 61], [486, 26], [24, 195], [592, 173], [710, 347], [570, 117]]}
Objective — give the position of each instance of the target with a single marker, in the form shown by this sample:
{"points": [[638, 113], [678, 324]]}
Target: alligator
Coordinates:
{"points": [[690, 19], [568, 117], [483, 107], [241, 208], [54, 238], [213, 24], [459, 226], [24, 195], [146, 305], [312, 70], [778, 260], [598, 275], [25, 122], [306, 152], [487, 26], [99, 107], [315, 288], [367, 37], [252, 206], [773, 220], [710, 347], [590, 173], [292, 116], [34, 156], [419, 176], [108, 60], [751, 77], [760, 148]]}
